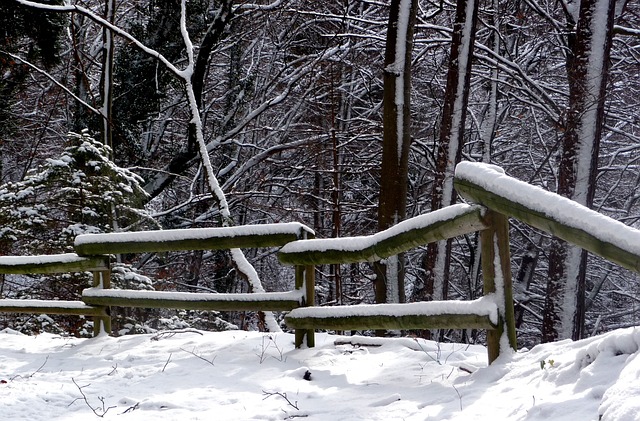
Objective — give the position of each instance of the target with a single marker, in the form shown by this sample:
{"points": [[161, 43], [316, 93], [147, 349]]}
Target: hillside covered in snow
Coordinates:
{"points": [[238, 375]]}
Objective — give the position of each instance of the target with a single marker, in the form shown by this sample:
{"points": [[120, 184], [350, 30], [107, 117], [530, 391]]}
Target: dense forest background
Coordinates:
{"points": [[97, 134]]}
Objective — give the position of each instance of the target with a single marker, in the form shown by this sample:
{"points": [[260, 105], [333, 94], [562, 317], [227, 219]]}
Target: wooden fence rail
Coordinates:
{"points": [[243, 236], [498, 197], [549, 212], [93, 255], [434, 226], [494, 312], [52, 263], [55, 263]]}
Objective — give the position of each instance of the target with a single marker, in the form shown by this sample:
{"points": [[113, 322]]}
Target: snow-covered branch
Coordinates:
{"points": [[52, 79], [105, 23]]}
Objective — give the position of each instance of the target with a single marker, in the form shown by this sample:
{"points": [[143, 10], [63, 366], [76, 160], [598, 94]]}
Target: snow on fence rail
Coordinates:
{"points": [[477, 314], [265, 301], [498, 198], [438, 225], [52, 263], [47, 264], [489, 186], [77, 308], [493, 312], [243, 236]]}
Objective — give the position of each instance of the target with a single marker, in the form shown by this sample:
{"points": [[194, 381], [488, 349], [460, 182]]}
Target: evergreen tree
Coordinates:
{"points": [[81, 191]]}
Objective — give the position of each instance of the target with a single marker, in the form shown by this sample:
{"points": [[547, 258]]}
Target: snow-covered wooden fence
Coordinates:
{"points": [[245, 236], [549, 212], [497, 198], [56, 263], [93, 255], [494, 311]]}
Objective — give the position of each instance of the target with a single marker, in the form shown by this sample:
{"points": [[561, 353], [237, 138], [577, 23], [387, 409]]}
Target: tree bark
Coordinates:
{"points": [[587, 67], [449, 147], [106, 77], [389, 282]]}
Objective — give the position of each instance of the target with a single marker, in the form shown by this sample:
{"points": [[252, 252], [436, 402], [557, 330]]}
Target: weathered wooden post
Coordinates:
{"points": [[299, 333], [496, 273], [102, 324], [305, 281], [310, 300]]}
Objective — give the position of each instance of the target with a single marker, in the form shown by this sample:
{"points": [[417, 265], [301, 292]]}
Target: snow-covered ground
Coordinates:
{"points": [[239, 375]]}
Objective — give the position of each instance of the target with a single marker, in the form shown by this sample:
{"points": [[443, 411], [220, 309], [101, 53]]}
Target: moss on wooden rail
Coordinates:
{"points": [[269, 301], [54, 263], [51, 307], [481, 313], [498, 201], [244, 236], [392, 322], [439, 225]]}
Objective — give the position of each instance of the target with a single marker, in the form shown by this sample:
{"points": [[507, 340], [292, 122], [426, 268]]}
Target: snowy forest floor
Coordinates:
{"points": [[239, 375]]}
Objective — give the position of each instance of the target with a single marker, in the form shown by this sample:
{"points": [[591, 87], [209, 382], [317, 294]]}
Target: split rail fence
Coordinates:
{"points": [[496, 196]]}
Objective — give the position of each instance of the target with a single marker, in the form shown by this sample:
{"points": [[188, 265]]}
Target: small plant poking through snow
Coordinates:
{"points": [[199, 356], [99, 411], [269, 342], [438, 353], [548, 363], [283, 396]]}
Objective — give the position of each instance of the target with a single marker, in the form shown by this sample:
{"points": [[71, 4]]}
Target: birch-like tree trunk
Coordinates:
{"points": [[106, 79], [449, 147], [389, 283], [490, 121], [587, 68]]}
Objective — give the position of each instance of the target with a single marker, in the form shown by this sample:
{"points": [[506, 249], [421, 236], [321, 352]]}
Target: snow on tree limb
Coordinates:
{"points": [[52, 79], [101, 21]]}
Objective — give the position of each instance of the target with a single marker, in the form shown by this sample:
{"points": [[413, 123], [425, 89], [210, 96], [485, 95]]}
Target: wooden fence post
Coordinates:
{"points": [[496, 273], [305, 281], [310, 293], [299, 333], [102, 325]]}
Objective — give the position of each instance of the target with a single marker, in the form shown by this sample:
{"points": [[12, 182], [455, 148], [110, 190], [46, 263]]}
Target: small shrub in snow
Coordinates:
{"points": [[81, 191]]}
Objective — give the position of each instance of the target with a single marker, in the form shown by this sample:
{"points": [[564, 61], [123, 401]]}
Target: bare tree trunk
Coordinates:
{"points": [[106, 79], [336, 212], [587, 72], [82, 87], [490, 119], [449, 148], [389, 282]]}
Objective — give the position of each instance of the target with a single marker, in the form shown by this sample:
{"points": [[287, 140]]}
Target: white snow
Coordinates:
{"points": [[192, 234], [365, 241], [191, 296], [238, 375], [556, 207], [41, 259], [485, 306]]}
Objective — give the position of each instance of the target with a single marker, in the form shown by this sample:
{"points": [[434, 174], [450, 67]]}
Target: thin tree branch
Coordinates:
{"points": [[51, 78]]}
